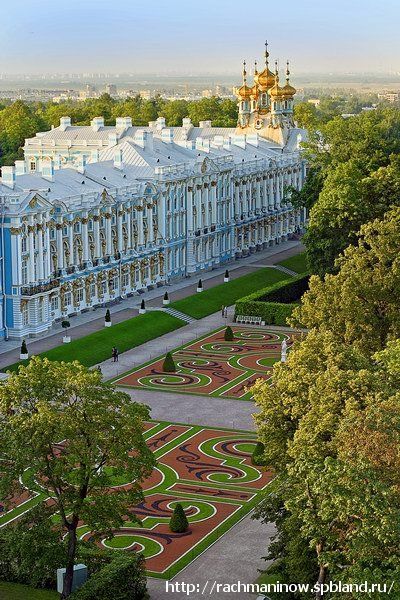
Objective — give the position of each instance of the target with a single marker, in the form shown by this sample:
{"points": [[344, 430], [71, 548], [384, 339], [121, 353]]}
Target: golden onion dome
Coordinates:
{"points": [[265, 79], [245, 91], [288, 90], [276, 91]]}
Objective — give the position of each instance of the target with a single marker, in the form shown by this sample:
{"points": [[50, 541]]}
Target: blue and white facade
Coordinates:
{"points": [[133, 208]]}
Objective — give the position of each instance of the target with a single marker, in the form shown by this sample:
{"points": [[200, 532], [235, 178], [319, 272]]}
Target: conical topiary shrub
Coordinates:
{"points": [[200, 286], [107, 318], [228, 335], [178, 522], [166, 298], [226, 276], [142, 308], [257, 458], [169, 364], [24, 350]]}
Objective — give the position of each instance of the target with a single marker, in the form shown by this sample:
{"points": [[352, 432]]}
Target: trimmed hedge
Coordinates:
{"points": [[228, 335], [274, 304], [124, 577]]}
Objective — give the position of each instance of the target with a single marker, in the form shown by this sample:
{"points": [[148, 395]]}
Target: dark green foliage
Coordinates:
{"points": [[31, 551], [178, 522], [166, 297], [257, 458], [169, 364], [226, 274], [275, 303], [228, 335], [286, 291], [124, 578], [200, 284], [143, 304], [65, 324], [293, 558], [24, 349], [107, 318]]}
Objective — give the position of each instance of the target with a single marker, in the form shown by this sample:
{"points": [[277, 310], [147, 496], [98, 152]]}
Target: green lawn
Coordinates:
{"points": [[297, 263], [96, 347], [15, 591], [210, 301]]}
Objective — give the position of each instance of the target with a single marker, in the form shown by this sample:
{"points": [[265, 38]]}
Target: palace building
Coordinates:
{"points": [[96, 213]]}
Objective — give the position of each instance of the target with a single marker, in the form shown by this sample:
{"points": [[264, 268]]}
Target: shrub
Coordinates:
{"points": [[31, 550], [273, 303], [107, 318], [124, 577], [24, 349], [200, 284], [169, 364], [178, 522], [228, 335], [143, 304], [65, 324], [166, 297], [257, 458], [226, 274]]}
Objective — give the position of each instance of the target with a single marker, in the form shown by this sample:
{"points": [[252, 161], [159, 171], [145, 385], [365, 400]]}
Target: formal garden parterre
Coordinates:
{"points": [[208, 471], [212, 366]]}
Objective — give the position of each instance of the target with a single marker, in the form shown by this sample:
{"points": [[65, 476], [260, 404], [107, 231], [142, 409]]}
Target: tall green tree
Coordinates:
{"points": [[360, 304], [75, 433]]}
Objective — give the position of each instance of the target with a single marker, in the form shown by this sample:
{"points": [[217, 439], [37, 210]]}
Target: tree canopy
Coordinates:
{"points": [[74, 434]]}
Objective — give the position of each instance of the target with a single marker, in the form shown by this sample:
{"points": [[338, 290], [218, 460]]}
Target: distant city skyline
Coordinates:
{"points": [[211, 38]]}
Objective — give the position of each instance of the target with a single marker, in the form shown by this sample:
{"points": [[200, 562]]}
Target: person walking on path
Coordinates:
{"points": [[222, 311], [225, 312], [114, 353]]}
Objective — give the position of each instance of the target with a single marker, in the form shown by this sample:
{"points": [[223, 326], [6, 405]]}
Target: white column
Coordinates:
{"points": [[237, 200], [150, 229], [271, 196], [109, 248], [258, 193], [198, 206], [120, 236], [40, 274], [213, 202], [129, 227], [47, 264], [31, 246], [60, 249], [71, 242], [139, 210], [189, 208], [96, 231], [85, 239], [161, 214]]}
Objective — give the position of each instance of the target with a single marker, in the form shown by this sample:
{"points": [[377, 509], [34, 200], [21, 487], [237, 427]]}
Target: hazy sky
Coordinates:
{"points": [[197, 37]]}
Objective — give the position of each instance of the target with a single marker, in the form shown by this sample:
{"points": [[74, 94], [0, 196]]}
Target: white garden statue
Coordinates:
{"points": [[283, 351]]}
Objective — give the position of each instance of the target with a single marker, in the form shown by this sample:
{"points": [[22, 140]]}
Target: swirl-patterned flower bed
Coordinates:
{"points": [[208, 471], [212, 366]]}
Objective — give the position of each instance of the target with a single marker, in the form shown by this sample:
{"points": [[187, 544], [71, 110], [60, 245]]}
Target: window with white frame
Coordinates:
{"points": [[32, 165], [68, 299], [54, 303], [24, 271], [125, 279], [23, 244]]}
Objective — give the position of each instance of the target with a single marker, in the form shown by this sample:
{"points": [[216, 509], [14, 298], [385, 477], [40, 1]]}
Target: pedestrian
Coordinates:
{"points": [[226, 312], [222, 311], [114, 354]]}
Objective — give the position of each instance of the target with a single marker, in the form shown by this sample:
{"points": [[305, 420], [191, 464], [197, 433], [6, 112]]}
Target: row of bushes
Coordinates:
{"points": [[274, 304]]}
